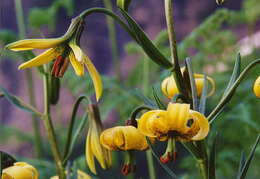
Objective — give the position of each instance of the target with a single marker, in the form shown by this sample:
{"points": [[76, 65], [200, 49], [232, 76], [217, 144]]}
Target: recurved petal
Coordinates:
{"points": [[82, 175], [152, 123], [41, 59], [134, 140], [20, 170], [256, 87], [178, 116], [169, 87], [203, 125], [94, 76], [29, 44], [107, 139], [77, 66], [199, 78], [123, 138], [97, 149], [90, 154], [79, 54]]}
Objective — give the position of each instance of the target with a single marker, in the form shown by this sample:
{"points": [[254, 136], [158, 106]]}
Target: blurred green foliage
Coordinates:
{"points": [[210, 44]]}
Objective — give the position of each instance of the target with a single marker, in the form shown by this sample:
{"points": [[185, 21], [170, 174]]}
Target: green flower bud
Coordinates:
{"points": [[123, 4]]}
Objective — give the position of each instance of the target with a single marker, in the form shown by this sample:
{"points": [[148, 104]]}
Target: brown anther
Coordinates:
{"points": [[64, 67], [126, 169], [167, 158], [60, 66]]}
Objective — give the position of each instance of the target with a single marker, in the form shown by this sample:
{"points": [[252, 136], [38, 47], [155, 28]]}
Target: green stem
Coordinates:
{"points": [[113, 42], [202, 165], [111, 14], [71, 126], [35, 121], [173, 47], [29, 80], [49, 127], [20, 19], [150, 162], [149, 156]]}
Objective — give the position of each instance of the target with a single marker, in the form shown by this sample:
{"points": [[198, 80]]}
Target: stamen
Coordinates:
{"points": [[60, 66]]}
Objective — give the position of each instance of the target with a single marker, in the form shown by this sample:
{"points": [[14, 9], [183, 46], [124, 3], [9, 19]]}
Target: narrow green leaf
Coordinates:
{"points": [[203, 98], [6, 160], [192, 84], [19, 102], [143, 98], [242, 174], [157, 100], [165, 167], [212, 158], [235, 74], [192, 149], [242, 162], [225, 99], [142, 39]]}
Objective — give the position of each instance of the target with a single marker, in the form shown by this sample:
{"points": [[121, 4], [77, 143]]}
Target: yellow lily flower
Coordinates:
{"points": [[20, 170], [93, 146], [256, 87], [81, 175], [62, 50], [123, 138], [169, 87], [178, 121]]}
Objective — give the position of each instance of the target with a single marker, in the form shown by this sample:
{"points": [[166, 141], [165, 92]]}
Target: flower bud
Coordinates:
{"points": [[256, 87], [20, 170], [220, 1], [123, 4], [169, 87]]}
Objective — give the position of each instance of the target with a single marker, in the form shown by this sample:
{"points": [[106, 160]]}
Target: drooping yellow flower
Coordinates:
{"points": [[63, 50], [20, 170], [256, 87], [169, 87], [81, 175], [178, 121], [123, 138], [93, 147]]}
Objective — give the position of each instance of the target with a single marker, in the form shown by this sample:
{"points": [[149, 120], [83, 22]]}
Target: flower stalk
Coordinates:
{"points": [[173, 47], [49, 127]]}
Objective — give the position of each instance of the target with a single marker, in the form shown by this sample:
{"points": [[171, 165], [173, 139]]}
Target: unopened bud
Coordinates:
{"points": [[123, 4], [220, 1]]}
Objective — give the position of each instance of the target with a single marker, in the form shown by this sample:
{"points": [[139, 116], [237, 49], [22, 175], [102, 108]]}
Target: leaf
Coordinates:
{"points": [[6, 160], [242, 162], [143, 98], [235, 74], [212, 159], [150, 49], [157, 99], [225, 99], [192, 84], [203, 98], [19, 103], [165, 167], [243, 172]]}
